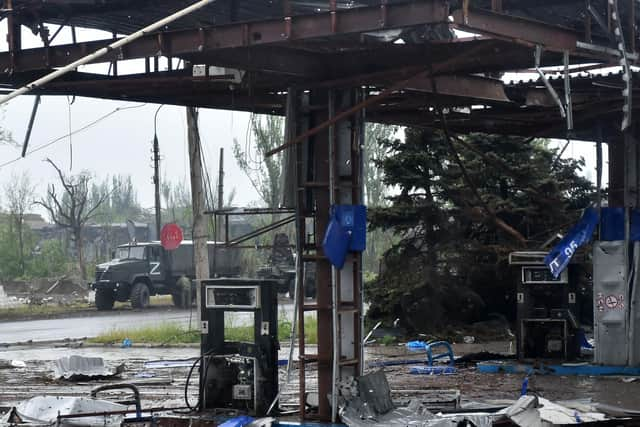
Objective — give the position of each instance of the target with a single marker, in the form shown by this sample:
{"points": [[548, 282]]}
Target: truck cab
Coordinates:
{"points": [[139, 270]]}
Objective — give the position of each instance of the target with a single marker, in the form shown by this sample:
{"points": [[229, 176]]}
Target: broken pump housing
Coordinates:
{"points": [[547, 322], [239, 375]]}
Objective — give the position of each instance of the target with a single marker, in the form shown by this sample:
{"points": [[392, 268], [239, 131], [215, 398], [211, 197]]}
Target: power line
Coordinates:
{"points": [[70, 134]]}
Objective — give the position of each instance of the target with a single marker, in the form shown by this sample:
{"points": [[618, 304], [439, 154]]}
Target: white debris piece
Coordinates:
{"points": [[44, 410], [82, 368], [532, 411]]}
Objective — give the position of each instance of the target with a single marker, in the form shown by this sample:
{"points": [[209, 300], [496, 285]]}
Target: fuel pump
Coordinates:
{"points": [[239, 375], [547, 310]]}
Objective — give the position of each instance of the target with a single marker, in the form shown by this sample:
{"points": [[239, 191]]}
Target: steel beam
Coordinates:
{"points": [[516, 29], [478, 88], [258, 33]]}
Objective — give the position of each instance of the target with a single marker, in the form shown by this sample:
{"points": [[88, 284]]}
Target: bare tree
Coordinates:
{"points": [[20, 197], [73, 208], [5, 135]]}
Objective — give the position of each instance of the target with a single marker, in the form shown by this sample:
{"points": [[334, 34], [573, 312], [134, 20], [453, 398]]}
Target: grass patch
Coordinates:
{"points": [[173, 333], [154, 301], [165, 333], [26, 311]]}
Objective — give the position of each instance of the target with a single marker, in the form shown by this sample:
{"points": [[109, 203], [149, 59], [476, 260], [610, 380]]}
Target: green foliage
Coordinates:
{"points": [[173, 333], [164, 333], [176, 204], [9, 252], [263, 171], [450, 264], [44, 259], [50, 261], [377, 138], [120, 199], [388, 340]]}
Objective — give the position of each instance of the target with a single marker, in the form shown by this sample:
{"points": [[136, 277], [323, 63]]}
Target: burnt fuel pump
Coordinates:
{"points": [[239, 376], [547, 310]]}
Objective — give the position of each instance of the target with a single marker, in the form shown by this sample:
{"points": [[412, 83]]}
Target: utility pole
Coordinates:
{"points": [[219, 236], [156, 183], [201, 254]]}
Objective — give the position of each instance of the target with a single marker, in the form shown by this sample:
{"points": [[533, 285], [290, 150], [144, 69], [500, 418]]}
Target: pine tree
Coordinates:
{"points": [[462, 207]]}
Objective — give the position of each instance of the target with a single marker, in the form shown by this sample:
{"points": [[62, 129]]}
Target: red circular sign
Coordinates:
{"points": [[171, 236]]}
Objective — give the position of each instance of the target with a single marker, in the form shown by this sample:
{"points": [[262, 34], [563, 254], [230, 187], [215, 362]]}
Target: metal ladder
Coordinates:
{"points": [[329, 169]]}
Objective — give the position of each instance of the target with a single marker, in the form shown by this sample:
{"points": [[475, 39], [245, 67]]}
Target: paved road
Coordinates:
{"points": [[91, 324], [86, 326]]}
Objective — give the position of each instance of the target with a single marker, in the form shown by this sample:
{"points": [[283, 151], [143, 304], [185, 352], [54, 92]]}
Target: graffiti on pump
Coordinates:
{"points": [[609, 302]]}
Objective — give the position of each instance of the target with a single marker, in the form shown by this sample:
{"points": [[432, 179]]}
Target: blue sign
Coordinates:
{"points": [[560, 256]]}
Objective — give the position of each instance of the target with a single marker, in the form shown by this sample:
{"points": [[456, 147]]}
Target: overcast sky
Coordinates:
{"points": [[121, 143]]}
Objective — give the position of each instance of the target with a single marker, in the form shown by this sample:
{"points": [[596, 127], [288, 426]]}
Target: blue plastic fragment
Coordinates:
{"points": [[416, 345], [584, 343], [346, 231], [448, 352], [525, 387], [336, 243], [240, 421], [432, 370], [126, 343], [353, 218]]}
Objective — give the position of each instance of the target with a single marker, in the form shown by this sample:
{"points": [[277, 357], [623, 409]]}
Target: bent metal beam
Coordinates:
{"points": [[193, 41], [101, 52]]}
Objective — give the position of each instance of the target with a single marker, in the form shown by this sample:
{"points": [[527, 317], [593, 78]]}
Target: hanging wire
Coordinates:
{"points": [[69, 102], [66, 136]]}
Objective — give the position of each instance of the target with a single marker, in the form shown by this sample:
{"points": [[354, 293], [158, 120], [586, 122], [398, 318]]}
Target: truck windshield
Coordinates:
{"points": [[136, 252]]}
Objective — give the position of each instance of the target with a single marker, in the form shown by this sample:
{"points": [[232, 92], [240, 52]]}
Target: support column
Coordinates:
{"points": [[200, 250], [14, 36], [329, 172], [616, 172]]}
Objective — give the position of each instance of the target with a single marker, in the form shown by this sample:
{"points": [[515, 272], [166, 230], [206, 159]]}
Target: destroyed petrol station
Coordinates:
{"points": [[535, 69]]}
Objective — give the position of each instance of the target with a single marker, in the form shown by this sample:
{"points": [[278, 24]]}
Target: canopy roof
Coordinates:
{"points": [[266, 47]]}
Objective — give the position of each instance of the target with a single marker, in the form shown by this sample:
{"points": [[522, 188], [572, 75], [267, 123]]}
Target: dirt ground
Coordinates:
{"points": [[165, 387]]}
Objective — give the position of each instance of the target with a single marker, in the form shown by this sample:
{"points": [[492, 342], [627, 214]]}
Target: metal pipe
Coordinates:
{"points": [[123, 412], [32, 119], [599, 174], [101, 52], [334, 271], [567, 92], [156, 174], [552, 91]]}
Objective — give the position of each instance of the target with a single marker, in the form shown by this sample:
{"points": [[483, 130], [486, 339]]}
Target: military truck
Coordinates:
{"points": [[140, 270], [281, 268]]}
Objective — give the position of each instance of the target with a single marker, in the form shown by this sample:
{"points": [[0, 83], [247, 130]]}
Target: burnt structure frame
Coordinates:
{"points": [[334, 48]]}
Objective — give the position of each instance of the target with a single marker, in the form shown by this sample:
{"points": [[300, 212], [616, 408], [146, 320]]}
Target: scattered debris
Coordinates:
{"points": [[433, 370], [541, 368], [245, 421], [160, 364], [79, 368], [469, 339], [46, 410], [536, 411], [370, 404], [8, 364]]}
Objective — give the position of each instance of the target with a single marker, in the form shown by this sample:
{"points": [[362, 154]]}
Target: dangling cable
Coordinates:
{"points": [[69, 102]]}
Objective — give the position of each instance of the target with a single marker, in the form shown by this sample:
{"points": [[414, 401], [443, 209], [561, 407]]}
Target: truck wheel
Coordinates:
{"points": [[140, 295], [104, 299], [181, 294]]}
